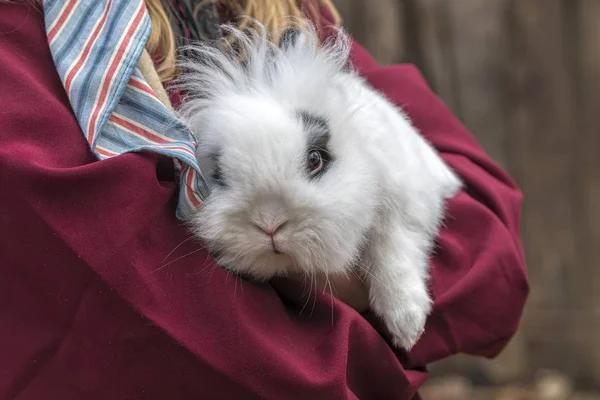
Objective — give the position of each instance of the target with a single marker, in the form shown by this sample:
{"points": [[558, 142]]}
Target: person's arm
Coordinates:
{"points": [[104, 294]]}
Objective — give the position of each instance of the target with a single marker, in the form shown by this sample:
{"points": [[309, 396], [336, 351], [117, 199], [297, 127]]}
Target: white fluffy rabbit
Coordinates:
{"points": [[312, 171]]}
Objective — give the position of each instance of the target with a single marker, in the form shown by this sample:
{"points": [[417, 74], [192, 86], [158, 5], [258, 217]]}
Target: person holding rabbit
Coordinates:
{"points": [[105, 293]]}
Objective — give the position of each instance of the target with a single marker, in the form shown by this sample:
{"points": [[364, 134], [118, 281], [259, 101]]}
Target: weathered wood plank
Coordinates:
{"points": [[437, 56], [482, 72], [544, 152], [383, 35], [589, 166], [543, 149]]}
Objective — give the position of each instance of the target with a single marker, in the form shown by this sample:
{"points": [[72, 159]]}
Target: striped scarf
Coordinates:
{"points": [[96, 46]]}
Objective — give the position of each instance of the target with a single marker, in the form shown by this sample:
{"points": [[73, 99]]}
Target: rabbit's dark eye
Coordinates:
{"points": [[318, 156], [315, 162]]}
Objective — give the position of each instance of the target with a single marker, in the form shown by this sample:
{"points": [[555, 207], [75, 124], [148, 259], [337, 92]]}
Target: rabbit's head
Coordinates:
{"points": [[292, 189]]}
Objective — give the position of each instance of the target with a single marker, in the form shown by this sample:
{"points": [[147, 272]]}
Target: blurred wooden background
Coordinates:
{"points": [[524, 77]]}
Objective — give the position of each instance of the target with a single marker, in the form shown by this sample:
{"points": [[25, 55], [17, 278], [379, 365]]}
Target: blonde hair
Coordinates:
{"points": [[275, 15]]}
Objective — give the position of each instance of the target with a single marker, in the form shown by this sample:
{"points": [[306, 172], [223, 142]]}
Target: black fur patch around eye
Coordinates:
{"points": [[318, 136], [314, 124], [217, 174]]}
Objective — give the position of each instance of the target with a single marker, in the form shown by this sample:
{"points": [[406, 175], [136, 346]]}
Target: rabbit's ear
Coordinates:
{"points": [[289, 37], [294, 37]]}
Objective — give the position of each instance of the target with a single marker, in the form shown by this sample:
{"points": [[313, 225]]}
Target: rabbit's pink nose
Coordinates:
{"points": [[271, 230]]}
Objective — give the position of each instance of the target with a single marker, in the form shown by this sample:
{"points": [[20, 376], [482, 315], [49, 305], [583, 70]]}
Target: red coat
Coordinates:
{"points": [[85, 314]]}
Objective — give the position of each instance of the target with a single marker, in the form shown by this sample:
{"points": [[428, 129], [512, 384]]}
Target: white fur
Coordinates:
{"points": [[378, 207]]}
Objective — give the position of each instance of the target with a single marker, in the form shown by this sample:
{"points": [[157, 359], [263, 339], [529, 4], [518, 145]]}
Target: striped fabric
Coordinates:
{"points": [[96, 45]]}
